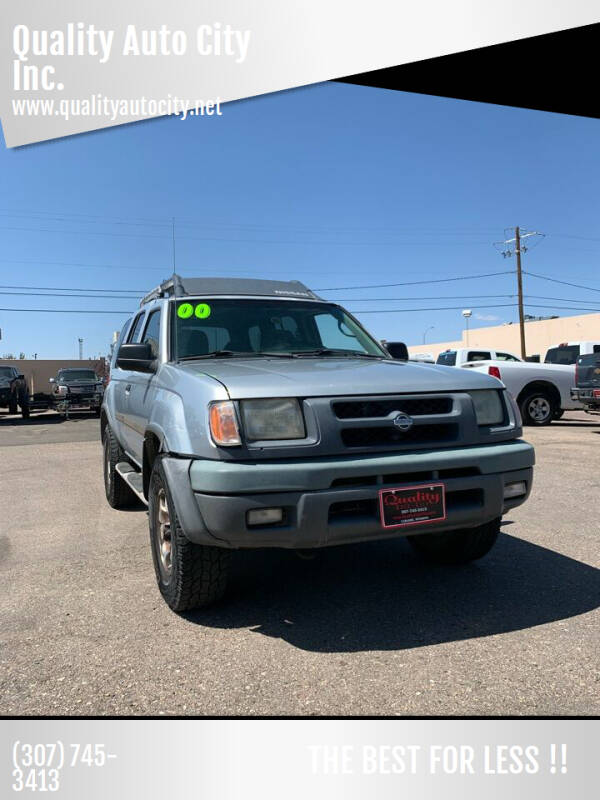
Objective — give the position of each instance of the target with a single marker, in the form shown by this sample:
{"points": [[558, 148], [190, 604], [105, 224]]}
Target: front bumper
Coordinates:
{"points": [[74, 403], [330, 501]]}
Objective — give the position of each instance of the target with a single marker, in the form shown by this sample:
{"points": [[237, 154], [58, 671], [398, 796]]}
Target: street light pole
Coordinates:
{"points": [[466, 314], [430, 328]]}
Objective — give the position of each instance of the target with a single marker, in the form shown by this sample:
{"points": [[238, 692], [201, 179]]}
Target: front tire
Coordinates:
{"points": [[537, 408], [118, 494], [457, 547], [188, 575], [13, 407]]}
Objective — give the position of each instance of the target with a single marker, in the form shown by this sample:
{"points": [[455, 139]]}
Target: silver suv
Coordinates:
{"points": [[251, 414]]}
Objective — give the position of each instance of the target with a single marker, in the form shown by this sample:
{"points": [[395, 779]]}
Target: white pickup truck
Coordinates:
{"points": [[542, 391], [463, 355], [569, 352]]}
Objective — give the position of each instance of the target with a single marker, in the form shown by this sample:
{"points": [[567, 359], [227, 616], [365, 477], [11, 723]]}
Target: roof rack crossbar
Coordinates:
{"points": [[175, 286]]}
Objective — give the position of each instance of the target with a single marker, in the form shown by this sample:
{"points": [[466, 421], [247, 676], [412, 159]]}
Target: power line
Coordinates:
{"points": [[565, 283], [459, 308], [37, 262], [68, 289], [241, 241], [61, 294], [63, 311], [413, 283], [371, 311]]}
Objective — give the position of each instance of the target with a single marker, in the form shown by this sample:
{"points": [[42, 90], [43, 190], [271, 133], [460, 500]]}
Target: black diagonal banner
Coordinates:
{"points": [[554, 72]]}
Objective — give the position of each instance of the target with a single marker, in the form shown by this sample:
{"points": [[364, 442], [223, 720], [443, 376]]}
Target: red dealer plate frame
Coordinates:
{"points": [[421, 511]]}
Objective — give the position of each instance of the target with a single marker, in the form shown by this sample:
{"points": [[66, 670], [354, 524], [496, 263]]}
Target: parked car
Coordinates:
{"points": [[253, 414], [587, 389], [463, 355], [14, 392], [76, 389], [569, 352], [542, 391]]}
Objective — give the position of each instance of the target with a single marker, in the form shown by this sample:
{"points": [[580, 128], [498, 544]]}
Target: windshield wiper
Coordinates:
{"points": [[325, 351], [236, 354]]}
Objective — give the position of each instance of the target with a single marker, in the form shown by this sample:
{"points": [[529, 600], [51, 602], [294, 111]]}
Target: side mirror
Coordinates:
{"points": [[136, 357], [21, 377], [397, 350], [52, 380]]}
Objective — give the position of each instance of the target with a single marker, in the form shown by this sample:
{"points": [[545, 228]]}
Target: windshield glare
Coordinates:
{"points": [[204, 326]]}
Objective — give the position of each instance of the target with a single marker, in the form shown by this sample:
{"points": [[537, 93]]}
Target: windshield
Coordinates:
{"points": [[77, 375], [447, 359], [562, 355], [254, 327], [6, 372]]}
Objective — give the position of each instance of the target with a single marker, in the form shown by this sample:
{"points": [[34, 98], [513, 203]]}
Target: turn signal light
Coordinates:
{"points": [[495, 372], [223, 424]]}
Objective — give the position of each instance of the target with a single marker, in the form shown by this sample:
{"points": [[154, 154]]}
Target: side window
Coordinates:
{"points": [[505, 357], [478, 355], [152, 332], [136, 328], [597, 348]]}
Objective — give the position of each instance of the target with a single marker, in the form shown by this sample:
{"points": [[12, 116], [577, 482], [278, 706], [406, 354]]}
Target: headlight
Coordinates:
{"points": [[279, 418], [62, 389], [489, 409]]}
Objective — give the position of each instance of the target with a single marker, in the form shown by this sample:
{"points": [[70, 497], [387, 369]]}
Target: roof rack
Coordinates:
{"points": [[176, 286]]}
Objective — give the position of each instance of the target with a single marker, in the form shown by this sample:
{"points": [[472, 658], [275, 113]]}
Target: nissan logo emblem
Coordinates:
{"points": [[403, 422]]}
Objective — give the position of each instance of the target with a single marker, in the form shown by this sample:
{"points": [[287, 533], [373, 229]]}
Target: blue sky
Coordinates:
{"points": [[334, 185]]}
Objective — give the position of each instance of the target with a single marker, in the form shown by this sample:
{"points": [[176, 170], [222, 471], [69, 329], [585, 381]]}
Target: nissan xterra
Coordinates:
{"points": [[253, 414]]}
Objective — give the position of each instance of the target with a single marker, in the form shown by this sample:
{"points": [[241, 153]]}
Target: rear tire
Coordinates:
{"points": [[457, 547], [188, 575], [558, 413], [118, 494], [25, 411], [537, 408]]}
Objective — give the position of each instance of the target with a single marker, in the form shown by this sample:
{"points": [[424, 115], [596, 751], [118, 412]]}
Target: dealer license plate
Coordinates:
{"points": [[412, 505]]}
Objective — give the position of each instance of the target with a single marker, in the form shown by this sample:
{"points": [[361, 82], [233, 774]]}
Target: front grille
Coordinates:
{"points": [[391, 436], [415, 406]]}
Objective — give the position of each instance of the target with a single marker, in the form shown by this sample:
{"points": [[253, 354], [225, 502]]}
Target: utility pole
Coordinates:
{"points": [[520, 292], [519, 247], [80, 349]]}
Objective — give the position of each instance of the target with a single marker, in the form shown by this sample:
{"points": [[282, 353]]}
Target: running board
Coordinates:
{"points": [[133, 479]]}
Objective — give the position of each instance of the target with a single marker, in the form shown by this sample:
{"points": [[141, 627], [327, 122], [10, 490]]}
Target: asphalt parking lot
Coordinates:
{"points": [[367, 629]]}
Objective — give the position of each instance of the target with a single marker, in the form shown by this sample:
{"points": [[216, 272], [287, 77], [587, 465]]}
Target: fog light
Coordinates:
{"points": [[515, 489], [264, 516]]}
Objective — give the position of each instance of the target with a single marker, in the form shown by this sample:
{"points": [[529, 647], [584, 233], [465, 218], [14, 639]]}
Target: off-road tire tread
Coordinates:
{"points": [[198, 572], [120, 495], [457, 547]]}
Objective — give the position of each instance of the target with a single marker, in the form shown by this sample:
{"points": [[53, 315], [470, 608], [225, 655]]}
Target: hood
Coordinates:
{"points": [[327, 377]]}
